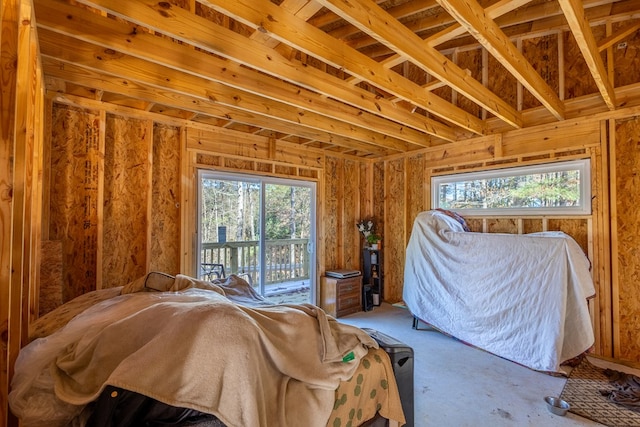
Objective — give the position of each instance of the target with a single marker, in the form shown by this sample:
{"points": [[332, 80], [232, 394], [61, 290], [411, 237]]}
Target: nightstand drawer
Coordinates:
{"points": [[339, 297], [349, 286], [349, 301]]}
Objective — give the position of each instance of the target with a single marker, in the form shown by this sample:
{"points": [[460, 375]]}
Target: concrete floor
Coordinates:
{"points": [[458, 385]]}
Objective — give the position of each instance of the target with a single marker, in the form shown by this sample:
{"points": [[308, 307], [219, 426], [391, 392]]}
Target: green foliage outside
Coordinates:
{"points": [[554, 189], [236, 206]]}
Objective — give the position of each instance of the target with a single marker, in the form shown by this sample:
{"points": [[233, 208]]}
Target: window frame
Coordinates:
{"points": [[582, 165], [263, 180]]}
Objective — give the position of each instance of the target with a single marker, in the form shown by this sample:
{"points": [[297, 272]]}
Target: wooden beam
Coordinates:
{"points": [[374, 21], [87, 77], [347, 121], [315, 42], [169, 82], [472, 17], [574, 13], [455, 29], [537, 18], [115, 35], [620, 35]]}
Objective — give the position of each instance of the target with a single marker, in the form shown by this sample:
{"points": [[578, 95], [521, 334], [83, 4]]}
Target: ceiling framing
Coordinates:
{"points": [[359, 77]]}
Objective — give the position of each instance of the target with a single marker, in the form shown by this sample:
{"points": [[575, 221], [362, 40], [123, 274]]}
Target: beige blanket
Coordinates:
{"points": [[194, 348]]}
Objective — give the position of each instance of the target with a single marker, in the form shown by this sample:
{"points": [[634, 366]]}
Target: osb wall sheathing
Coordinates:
{"points": [[470, 60], [351, 212], [378, 191], [394, 228], [51, 278], [626, 56], [341, 212], [502, 82], [576, 228], [165, 205], [125, 200], [542, 53], [475, 224], [75, 159], [627, 236], [532, 225], [577, 77], [331, 212], [415, 203], [502, 225]]}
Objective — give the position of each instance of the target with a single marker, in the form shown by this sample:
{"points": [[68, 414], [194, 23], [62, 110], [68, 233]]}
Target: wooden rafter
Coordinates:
{"points": [[574, 13], [87, 77], [308, 39], [472, 17], [202, 33], [380, 25], [455, 29], [618, 36]]}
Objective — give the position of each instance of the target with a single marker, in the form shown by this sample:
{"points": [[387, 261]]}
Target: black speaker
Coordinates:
{"points": [[367, 298]]}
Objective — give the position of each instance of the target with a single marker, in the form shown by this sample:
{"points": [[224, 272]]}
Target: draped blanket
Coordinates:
{"points": [[193, 348], [521, 297]]}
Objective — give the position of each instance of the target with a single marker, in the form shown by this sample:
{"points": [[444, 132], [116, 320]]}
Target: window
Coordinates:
{"points": [[261, 228], [548, 189]]}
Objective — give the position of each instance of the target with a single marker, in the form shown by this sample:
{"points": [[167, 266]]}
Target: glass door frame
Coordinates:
{"points": [[262, 180]]}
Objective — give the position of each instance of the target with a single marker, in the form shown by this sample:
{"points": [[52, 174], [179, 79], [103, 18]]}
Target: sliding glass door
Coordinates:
{"points": [[262, 229]]}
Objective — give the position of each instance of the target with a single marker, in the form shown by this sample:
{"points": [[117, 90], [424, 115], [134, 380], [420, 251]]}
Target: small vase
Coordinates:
{"points": [[374, 246]]}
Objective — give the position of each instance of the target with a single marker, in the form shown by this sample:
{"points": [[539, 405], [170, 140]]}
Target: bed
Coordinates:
{"points": [[217, 353], [520, 297]]}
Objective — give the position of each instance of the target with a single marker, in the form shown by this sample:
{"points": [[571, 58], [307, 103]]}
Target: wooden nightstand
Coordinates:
{"points": [[339, 297]]}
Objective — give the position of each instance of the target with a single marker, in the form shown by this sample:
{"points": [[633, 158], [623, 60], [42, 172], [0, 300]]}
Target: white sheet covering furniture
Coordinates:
{"points": [[520, 297]]}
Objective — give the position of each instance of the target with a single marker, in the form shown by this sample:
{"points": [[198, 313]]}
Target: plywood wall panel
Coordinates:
{"points": [[350, 214], [208, 160], [395, 217], [502, 225], [475, 224], [378, 191], [532, 225], [165, 205], [75, 159], [577, 77], [125, 200], [626, 56], [627, 235], [331, 212], [51, 277], [542, 53], [576, 228], [502, 82], [416, 182], [470, 60]]}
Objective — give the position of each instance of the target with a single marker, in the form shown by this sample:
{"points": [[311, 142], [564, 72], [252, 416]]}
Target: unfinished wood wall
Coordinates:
{"points": [[407, 192], [113, 199], [390, 191], [625, 188], [21, 94]]}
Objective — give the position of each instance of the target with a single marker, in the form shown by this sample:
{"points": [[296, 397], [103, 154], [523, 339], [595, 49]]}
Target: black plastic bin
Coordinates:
{"points": [[401, 356], [367, 298]]}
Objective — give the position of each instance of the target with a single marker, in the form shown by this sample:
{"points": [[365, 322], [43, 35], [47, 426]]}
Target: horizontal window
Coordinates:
{"points": [[548, 189]]}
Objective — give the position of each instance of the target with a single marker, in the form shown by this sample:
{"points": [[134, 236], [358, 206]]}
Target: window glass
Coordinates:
{"points": [[555, 188]]}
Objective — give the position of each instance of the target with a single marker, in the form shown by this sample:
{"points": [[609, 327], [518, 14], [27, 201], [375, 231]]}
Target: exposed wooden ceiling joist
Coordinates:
{"points": [[314, 42], [472, 17], [366, 78], [581, 30]]}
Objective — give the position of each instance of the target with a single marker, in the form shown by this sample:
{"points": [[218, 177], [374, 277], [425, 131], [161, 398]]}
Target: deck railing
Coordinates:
{"points": [[285, 259]]}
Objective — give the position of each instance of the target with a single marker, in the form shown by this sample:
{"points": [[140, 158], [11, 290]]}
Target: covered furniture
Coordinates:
{"points": [[216, 349], [521, 297]]}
